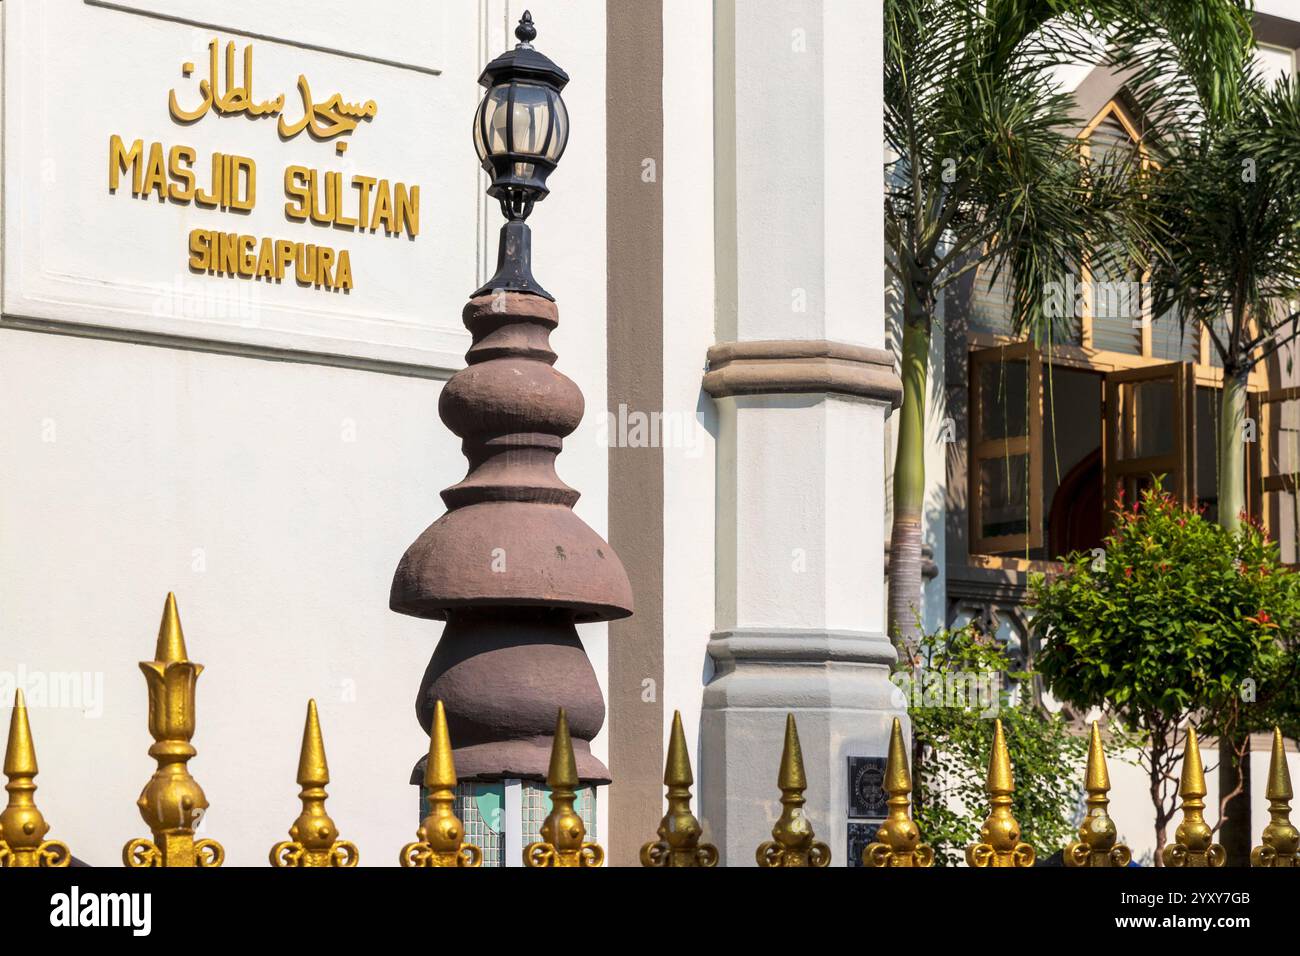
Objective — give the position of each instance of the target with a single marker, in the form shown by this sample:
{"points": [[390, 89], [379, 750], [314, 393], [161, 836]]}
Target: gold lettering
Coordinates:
{"points": [[408, 209], [383, 208], [324, 258], [323, 216], [296, 185], [284, 257], [266, 260], [120, 159], [248, 257], [245, 198], [304, 267], [247, 261], [213, 198], [229, 257], [199, 245], [179, 161], [340, 219], [366, 183], [343, 277]]}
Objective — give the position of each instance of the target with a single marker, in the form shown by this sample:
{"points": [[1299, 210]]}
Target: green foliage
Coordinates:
{"points": [[1170, 620], [984, 163], [955, 740], [1225, 200]]}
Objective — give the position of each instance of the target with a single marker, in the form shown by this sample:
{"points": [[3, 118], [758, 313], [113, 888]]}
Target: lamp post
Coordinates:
{"points": [[510, 568], [520, 131]]}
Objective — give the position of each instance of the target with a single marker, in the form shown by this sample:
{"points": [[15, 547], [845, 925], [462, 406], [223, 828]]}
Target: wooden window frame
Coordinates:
{"points": [[1180, 462], [1085, 357], [991, 449], [1264, 406]]}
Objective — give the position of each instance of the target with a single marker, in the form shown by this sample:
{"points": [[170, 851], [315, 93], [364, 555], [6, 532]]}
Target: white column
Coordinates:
{"points": [[802, 388]]}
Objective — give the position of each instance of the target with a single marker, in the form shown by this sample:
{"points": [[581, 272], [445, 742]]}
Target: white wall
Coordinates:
{"points": [[119, 462], [688, 331], [1134, 815]]}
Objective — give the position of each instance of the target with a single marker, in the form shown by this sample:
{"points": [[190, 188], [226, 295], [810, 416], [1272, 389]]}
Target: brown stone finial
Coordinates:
{"points": [[510, 567]]}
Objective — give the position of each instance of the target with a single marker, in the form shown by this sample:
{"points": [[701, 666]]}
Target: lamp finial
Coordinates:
{"points": [[526, 32]]}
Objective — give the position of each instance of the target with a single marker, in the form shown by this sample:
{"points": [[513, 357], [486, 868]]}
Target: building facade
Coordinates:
{"points": [[238, 238], [237, 242], [1026, 446]]}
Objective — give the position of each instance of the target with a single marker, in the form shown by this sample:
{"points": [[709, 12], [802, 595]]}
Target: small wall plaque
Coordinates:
{"points": [[867, 788], [861, 833]]}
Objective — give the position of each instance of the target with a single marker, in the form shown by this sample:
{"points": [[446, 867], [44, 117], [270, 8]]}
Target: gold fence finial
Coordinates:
{"points": [[22, 825], [313, 837], [1000, 844], [898, 841], [171, 639], [793, 842], [1193, 844], [564, 834], [1097, 846], [679, 831], [441, 833], [1281, 840], [172, 802]]}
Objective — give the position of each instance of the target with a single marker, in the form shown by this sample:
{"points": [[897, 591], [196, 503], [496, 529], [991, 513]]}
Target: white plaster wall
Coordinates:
{"points": [[804, 524], [689, 504], [119, 460], [1134, 814]]}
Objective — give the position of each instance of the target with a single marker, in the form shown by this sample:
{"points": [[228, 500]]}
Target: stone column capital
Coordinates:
{"points": [[786, 366]]}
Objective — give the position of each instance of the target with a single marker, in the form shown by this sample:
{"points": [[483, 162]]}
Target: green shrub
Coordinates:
{"points": [[1174, 619], [952, 741]]}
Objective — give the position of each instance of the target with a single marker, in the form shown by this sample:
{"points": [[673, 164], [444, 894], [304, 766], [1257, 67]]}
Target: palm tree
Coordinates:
{"points": [[983, 171], [1227, 192]]}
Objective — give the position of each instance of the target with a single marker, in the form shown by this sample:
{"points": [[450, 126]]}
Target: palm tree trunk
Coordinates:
{"points": [[1232, 449], [909, 472], [1234, 834]]}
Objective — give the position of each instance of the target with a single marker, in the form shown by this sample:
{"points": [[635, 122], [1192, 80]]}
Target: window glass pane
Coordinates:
{"points": [[1171, 341], [531, 118], [560, 135], [1286, 439], [1115, 301], [1222, 330], [1288, 511], [1207, 450], [1147, 426], [1114, 292], [1110, 142], [990, 306], [496, 111], [1004, 496], [1003, 399]]}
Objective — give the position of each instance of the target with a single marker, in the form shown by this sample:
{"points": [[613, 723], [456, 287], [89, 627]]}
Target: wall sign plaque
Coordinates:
{"points": [[860, 834], [867, 788], [270, 180]]}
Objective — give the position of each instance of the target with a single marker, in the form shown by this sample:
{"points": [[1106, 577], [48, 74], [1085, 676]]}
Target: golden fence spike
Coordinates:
{"points": [[313, 836], [1281, 840], [898, 841], [563, 834], [441, 833], [1193, 844], [22, 825], [171, 639], [1097, 845], [793, 842], [1000, 844], [679, 831], [172, 802]]}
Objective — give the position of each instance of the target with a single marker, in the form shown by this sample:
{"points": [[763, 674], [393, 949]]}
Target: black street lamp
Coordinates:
{"points": [[520, 131]]}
